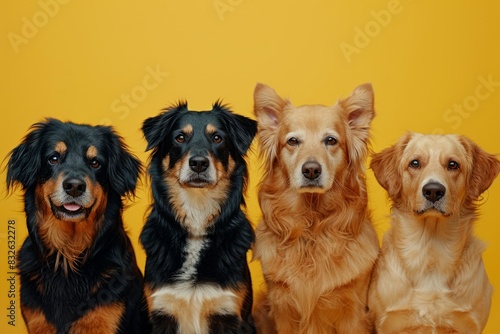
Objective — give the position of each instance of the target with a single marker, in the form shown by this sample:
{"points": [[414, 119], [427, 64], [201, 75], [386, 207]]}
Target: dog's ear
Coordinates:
{"points": [[484, 168], [25, 161], [156, 128], [268, 106], [360, 113], [241, 128], [123, 167], [386, 167]]}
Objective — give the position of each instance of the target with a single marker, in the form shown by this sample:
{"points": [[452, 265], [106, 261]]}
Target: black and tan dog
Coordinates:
{"points": [[77, 266], [196, 236]]}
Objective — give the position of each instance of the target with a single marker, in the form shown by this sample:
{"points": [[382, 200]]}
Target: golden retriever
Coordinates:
{"points": [[316, 243], [430, 277]]}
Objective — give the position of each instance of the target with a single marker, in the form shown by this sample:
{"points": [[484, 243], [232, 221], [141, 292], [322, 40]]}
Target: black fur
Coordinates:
{"points": [[223, 262], [108, 272]]}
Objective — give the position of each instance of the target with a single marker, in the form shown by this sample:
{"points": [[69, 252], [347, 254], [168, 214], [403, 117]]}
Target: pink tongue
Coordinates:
{"points": [[72, 207]]}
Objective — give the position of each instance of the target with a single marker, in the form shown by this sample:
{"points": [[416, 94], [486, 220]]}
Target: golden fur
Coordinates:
{"points": [[315, 242], [430, 277]]}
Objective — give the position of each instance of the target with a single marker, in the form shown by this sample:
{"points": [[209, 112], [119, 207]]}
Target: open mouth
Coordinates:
{"points": [[69, 211]]}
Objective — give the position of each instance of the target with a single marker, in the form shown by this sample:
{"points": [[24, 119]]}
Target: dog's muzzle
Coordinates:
{"points": [[71, 203]]}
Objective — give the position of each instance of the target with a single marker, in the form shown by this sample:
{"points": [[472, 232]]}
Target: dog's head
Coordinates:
{"points": [[434, 175], [313, 144], [70, 170], [198, 150]]}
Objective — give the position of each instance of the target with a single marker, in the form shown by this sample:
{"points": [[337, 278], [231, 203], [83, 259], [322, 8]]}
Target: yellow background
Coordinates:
{"points": [[79, 60]]}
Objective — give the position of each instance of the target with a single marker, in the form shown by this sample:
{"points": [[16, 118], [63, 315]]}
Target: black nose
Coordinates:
{"points": [[311, 170], [74, 187], [198, 163], [433, 191]]}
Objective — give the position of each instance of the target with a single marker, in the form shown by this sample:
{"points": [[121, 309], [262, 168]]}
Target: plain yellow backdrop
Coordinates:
{"points": [[434, 65]]}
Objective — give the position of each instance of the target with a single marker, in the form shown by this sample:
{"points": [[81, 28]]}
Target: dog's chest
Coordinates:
{"points": [[192, 305], [195, 293], [323, 264], [430, 267], [197, 211], [192, 252], [430, 263]]}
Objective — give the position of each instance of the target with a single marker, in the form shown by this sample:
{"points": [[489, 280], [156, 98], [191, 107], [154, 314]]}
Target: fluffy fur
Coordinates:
{"points": [[315, 242], [430, 277], [77, 266], [196, 236]]}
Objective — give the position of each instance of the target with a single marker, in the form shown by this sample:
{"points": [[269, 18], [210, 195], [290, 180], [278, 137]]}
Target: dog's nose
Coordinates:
{"points": [[311, 170], [198, 163], [74, 187], [433, 191]]}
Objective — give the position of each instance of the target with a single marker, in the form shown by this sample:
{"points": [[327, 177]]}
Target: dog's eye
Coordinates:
{"points": [[216, 139], [453, 165], [53, 159], [94, 163], [414, 163], [180, 138], [330, 141], [293, 141]]}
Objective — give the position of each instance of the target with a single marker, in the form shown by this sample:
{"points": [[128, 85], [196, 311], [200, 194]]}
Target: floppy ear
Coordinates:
{"points": [[156, 128], [123, 167], [360, 113], [386, 167], [25, 160], [268, 107], [485, 168], [242, 128]]}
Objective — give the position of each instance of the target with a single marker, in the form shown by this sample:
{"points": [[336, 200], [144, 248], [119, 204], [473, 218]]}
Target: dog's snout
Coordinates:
{"points": [[433, 191], [74, 187], [198, 163], [311, 170]]}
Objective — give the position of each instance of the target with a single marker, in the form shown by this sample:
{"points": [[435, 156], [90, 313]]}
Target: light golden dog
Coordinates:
{"points": [[430, 277], [315, 242]]}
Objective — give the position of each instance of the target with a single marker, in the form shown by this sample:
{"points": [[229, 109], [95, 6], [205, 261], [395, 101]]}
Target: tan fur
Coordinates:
{"points": [[315, 241], [68, 238], [100, 320], [60, 148], [192, 306], [188, 129], [92, 152], [203, 202], [211, 129], [36, 322], [430, 277]]}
